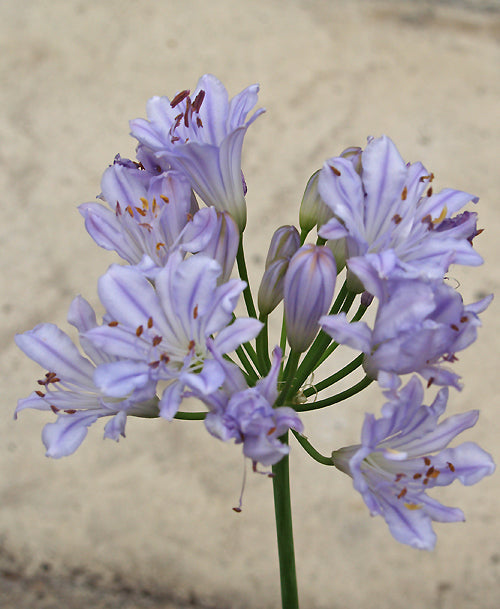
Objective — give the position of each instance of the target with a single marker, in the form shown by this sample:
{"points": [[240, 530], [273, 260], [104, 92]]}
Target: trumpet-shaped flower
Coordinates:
{"points": [[404, 454], [246, 415], [68, 388], [419, 326], [384, 204], [165, 333], [202, 136]]}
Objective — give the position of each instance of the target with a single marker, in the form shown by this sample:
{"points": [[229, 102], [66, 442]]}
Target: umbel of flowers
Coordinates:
{"points": [[386, 237]]}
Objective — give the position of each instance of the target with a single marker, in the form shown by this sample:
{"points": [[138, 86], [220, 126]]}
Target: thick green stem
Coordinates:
{"points": [[284, 532]]}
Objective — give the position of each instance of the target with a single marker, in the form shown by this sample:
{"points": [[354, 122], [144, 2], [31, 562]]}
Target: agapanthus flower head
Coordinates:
{"points": [[308, 292], [201, 134], [68, 388], [419, 326], [404, 454], [247, 416], [380, 203], [166, 332]]}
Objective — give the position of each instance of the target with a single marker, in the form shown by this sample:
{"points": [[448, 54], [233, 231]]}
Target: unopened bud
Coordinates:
{"points": [[271, 286], [313, 212], [284, 243], [308, 293]]}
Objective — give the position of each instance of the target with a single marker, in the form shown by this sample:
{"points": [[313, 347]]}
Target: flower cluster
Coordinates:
{"points": [[176, 216]]}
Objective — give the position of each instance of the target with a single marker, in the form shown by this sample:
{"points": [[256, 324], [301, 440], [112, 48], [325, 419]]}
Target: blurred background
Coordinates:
{"points": [[148, 523]]}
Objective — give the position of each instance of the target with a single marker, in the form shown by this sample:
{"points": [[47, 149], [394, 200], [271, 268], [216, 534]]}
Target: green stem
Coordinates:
{"points": [[246, 363], [262, 344], [242, 269], [190, 416], [335, 399], [284, 532], [334, 378], [309, 448]]}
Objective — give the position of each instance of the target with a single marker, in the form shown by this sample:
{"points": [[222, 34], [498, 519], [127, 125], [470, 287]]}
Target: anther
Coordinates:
{"points": [[404, 194], [195, 312], [464, 319], [70, 411], [129, 210], [454, 327], [198, 100], [113, 324], [429, 191], [164, 199], [335, 170], [191, 345], [179, 97], [139, 330], [427, 461], [150, 322], [451, 467], [54, 409], [198, 122], [164, 358], [396, 218], [430, 381], [159, 245], [40, 394], [157, 340], [417, 476], [145, 203], [402, 493]]}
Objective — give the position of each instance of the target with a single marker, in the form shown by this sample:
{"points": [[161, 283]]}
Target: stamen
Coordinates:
{"points": [[140, 211], [451, 467], [195, 312], [139, 330], [129, 210], [396, 218], [179, 97], [429, 191], [159, 245], [164, 198], [404, 194], [145, 203], [54, 409], [186, 113], [113, 324], [454, 327], [402, 493], [198, 100], [164, 358], [118, 209], [335, 170], [40, 394], [412, 506], [150, 322], [430, 381], [157, 340], [70, 411], [464, 319], [427, 461], [198, 122]]}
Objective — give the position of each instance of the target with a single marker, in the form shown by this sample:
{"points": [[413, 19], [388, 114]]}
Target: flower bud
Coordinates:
{"points": [[308, 293], [339, 251], [284, 243], [312, 209], [271, 286]]}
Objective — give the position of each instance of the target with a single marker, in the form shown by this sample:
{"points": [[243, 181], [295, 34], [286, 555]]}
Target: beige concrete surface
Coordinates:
{"points": [[152, 515]]}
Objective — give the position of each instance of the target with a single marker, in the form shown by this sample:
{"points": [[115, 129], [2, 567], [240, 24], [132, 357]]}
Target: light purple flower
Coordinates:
{"points": [[68, 388], [387, 205], [202, 136], [404, 454], [166, 332], [146, 212], [419, 326], [308, 292], [247, 416]]}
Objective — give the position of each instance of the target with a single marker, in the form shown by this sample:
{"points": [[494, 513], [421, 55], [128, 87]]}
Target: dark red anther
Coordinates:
{"points": [[430, 381], [335, 170], [454, 327], [54, 409], [464, 319], [195, 312], [429, 191], [417, 476], [402, 493], [154, 364], [427, 461], [70, 411], [139, 330], [404, 194], [198, 100], [398, 477], [179, 97], [157, 340], [191, 345], [187, 112], [150, 322], [40, 394], [164, 358], [237, 510], [451, 467], [396, 218], [198, 122], [113, 324]]}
